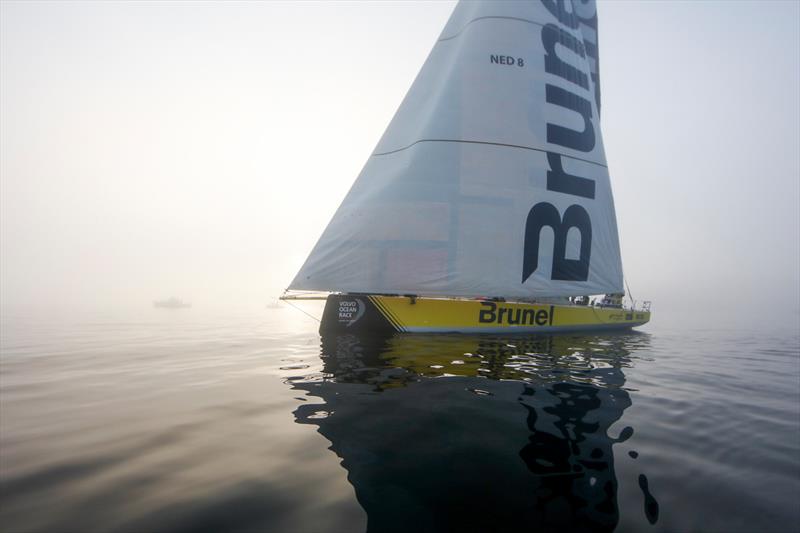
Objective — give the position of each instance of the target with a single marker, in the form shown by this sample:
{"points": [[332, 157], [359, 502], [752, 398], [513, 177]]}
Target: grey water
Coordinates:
{"points": [[176, 420]]}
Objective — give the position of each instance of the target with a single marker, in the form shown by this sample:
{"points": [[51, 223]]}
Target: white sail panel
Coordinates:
{"points": [[491, 179]]}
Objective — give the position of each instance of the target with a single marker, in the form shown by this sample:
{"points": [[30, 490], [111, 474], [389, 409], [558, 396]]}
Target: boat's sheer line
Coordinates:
{"points": [[518, 19], [491, 144]]}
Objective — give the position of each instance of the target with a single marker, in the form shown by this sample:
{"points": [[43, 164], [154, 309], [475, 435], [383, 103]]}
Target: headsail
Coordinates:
{"points": [[491, 180]]}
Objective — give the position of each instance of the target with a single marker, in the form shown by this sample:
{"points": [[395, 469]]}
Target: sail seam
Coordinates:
{"points": [[464, 27], [491, 144]]}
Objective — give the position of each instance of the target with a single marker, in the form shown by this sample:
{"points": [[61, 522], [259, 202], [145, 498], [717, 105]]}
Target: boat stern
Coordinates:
{"points": [[355, 313]]}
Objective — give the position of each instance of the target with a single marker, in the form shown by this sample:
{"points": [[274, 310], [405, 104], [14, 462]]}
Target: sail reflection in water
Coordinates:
{"points": [[478, 433]]}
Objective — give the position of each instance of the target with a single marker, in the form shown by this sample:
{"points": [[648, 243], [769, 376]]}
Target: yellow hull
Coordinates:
{"points": [[346, 312]]}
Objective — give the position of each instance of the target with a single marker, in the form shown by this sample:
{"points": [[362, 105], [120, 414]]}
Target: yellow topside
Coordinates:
{"points": [[435, 314]]}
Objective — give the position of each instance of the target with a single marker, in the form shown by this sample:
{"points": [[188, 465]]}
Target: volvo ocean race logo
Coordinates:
{"points": [[350, 311]]}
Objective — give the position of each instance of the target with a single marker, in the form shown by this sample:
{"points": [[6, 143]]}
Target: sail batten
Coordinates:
{"points": [[491, 179]]}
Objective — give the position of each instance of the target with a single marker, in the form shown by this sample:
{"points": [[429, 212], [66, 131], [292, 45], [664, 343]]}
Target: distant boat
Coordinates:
{"points": [[486, 206], [171, 303]]}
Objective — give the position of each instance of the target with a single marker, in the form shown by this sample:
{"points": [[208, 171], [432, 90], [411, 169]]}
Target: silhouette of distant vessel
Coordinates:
{"points": [[171, 303]]}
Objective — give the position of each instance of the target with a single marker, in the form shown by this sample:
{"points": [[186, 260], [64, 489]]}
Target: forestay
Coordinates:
{"points": [[491, 180]]}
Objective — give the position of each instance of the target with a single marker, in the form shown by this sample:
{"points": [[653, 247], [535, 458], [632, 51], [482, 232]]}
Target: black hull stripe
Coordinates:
{"points": [[397, 322], [383, 312], [386, 313]]}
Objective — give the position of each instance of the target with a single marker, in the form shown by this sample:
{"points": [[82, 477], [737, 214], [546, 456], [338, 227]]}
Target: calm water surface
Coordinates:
{"points": [[180, 421]]}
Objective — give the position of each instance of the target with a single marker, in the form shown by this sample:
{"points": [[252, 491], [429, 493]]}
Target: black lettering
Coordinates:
{"points": [[487, 315], [552, 35], [588, 17], [527, 316], [560, 181], [552, 312], [573, 269], [500, 315], [506, 60], [596, 83], [577, 140], [545, 214], [541, 317], [557, 8], [515, 314]]}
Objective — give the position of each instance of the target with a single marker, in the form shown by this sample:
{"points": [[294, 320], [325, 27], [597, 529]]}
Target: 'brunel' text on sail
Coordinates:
{"points": [[544, 213]]}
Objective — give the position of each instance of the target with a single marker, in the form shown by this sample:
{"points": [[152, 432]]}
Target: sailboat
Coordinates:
{"points": [[486, 206]]}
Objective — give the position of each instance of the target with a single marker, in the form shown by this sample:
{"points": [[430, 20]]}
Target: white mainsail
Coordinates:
{"points": [[491, 179]]}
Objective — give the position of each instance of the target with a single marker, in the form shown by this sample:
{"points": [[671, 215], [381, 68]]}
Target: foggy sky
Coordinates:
{"points": [[199, 149]]}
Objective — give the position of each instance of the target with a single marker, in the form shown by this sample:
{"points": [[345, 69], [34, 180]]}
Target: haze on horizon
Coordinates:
{"points": [[199, 149]]}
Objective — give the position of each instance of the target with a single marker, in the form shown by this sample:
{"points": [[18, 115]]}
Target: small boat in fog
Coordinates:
{"points": [[171, 303]]}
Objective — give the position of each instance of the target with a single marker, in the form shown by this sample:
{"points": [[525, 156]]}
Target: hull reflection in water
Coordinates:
{"points": [[477, 433]]}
